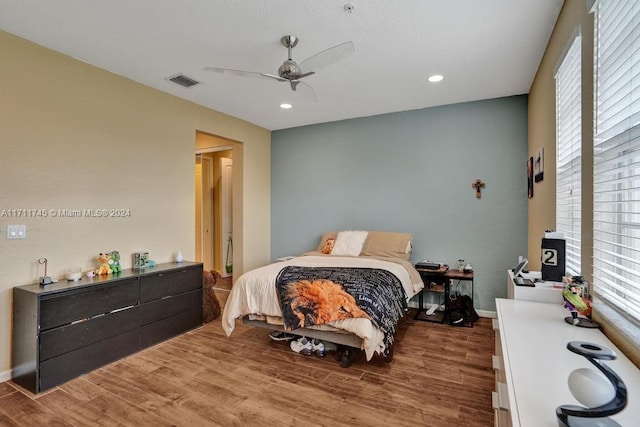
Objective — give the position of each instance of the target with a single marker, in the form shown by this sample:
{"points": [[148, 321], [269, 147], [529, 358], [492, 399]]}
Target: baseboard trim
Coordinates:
{"points": [[487, 313], [5, 375]]}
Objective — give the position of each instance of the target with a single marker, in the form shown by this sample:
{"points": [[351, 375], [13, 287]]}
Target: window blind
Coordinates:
{"points": [[616, 210], [569, 153]]}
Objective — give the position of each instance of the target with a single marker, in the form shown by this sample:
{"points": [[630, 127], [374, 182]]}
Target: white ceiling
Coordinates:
{"points": [[484, 48]]}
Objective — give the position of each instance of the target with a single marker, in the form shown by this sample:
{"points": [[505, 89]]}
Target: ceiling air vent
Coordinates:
{"points": [[183, 80]]}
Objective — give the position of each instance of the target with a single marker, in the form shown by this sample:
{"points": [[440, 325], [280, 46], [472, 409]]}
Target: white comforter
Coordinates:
{"points": [[255, 293]]}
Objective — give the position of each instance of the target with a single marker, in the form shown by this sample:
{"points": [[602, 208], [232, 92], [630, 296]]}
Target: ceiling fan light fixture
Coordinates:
{"points": [[285, 106], [435, 78]]}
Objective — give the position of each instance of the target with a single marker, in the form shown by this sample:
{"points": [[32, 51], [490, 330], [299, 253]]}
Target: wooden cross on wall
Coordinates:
{"points": [[478, 185]]}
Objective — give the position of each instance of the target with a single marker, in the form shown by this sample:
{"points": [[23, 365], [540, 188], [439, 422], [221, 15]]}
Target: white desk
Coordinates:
{"points": [[531, 341], [542, 292]]}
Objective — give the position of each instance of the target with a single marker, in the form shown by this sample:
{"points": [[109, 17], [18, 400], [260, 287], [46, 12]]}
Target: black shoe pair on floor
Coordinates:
{"points": [[281, 336]]}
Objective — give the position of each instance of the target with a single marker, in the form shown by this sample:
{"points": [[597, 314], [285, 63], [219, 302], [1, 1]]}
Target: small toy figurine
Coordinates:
{"points": [[572, 295], [114, 261], [105, 267], [573, 301]]}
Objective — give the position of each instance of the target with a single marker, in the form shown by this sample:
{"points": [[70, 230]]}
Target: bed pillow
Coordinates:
{"points": [[326, 236], [328, 245], [349, 243], [388, 244]]}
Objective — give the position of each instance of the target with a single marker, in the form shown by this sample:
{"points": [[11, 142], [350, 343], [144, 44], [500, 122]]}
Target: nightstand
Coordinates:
{"points": [[435, 283], [439, 282]]}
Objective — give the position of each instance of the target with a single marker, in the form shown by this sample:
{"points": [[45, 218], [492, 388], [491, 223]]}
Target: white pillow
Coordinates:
{"points": [[349, 243]]}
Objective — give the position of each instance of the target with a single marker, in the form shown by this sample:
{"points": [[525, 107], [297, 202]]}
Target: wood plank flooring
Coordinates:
{"points": [[440, 376]]}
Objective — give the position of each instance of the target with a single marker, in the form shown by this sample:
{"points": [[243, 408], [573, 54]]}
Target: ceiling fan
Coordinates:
{"points": [[292, 72]]}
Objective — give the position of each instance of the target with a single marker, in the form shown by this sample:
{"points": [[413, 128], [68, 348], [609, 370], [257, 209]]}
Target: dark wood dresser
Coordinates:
{"points": [[66, 329]]}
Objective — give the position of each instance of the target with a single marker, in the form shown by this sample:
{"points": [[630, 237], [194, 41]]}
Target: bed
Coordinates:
{"points": [[371, 266]]}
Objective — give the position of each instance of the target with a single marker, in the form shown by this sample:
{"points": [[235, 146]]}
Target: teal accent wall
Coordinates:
{"points": [[411, 172]]}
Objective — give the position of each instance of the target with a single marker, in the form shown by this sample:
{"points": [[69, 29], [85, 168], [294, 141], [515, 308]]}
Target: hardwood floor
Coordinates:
{"points": [[440, 376]]}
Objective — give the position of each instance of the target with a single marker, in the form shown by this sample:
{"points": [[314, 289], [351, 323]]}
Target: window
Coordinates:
{"points": [[616, 210], [569, 153]]}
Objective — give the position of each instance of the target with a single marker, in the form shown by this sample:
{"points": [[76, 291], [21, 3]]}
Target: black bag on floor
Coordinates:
{"points": [[463, 304]]}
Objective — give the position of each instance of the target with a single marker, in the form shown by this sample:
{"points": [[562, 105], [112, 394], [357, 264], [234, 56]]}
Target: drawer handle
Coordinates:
{"points": [[496, 362], [502, 396]]}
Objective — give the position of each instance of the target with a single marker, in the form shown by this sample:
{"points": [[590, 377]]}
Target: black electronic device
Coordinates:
{"points": [[521, 281], [428, 265]]}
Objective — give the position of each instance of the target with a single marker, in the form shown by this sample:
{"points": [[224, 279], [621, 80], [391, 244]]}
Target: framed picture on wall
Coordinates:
{"points": [[530, 177], [538, 165]]}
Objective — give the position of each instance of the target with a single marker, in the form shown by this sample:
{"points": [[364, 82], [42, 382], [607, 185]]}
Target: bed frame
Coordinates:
{"points": [[345, 341]]}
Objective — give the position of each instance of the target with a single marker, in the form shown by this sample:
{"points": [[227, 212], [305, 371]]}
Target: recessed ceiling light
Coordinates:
{"points": [[435, 78], [286, 106]]}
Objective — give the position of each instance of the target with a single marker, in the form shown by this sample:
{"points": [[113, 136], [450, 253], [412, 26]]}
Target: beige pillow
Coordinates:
{"points": [[387, 244]]}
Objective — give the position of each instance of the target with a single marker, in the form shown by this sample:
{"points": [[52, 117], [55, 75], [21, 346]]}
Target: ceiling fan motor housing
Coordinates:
{"points": [[289, 70]]}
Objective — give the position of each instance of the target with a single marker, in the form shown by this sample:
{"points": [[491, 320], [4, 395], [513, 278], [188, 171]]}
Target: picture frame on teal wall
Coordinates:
{"points": [[530, 177]]}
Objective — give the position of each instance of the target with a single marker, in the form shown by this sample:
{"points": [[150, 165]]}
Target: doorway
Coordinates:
{"points": [[214, 207]]}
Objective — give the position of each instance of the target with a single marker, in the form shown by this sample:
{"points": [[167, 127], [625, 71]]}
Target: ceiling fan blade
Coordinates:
{"points": [[242, 73], [299, 76], [327, 57], [273, 76], [305, 91]]}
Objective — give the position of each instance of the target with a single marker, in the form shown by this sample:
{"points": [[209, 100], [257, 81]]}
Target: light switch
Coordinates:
{"points": [[16, 231]]}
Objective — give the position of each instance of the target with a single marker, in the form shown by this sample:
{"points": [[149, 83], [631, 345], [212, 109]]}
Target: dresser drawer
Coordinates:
{"points": [[161, 330], [157, 285], [64, 308], [64, 339], [60, 369], [167, 307]]}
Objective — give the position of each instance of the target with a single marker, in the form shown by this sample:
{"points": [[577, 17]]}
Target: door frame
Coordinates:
{"points": [[200, 151]]}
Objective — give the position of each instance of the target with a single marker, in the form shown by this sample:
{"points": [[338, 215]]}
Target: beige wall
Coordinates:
{"points": [[73, 136], [542, 130]]}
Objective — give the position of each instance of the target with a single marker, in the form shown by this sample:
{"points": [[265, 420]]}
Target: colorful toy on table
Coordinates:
{"points": [[573, 295], [105, 266], [114, 261]]}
